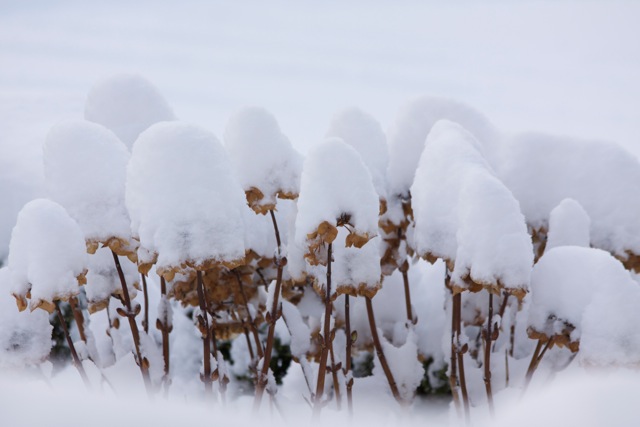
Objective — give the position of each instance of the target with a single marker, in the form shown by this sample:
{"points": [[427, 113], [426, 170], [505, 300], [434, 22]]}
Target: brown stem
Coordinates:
{"points": [[273, 317], [145, 321], [74, 354], [380, 352], [206, 336], [130, 315], [457, 314], [334, 376], [246, 335], [78, 317], [222, 381], [453, 371], [326, 340], [535, 361], [347, 368], [164, 328], [487, 357], [404, 268], [252, 324]]}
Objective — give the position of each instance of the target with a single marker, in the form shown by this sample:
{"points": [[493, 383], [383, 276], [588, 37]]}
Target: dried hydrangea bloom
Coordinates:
{"points": [[466, 216], [85, 169], [127, 104], [564, 283], [185, 203], [47, 256], [336, 190], [266, 163]]}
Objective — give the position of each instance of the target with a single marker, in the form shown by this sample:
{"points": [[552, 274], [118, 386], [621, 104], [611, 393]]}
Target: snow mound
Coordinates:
{"points": [[335, 190], [414, 122], [25, 338], [127, 104], [564, 282], [85, 167], [466, 216], [47, 255], [542, 170], [185, 203], [569, 225], [267, 164], [363, 132]]}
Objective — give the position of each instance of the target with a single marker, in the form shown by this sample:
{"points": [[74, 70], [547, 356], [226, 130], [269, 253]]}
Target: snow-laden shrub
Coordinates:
{"points": [[127, 104], [466, 216], [267, 165], [569, 225], [542, 170], [47, 256], [564, 282], [85, 168], [184, 201]]}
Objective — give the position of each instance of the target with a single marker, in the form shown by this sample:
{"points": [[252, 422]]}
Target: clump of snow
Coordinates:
{"points": [[85, 169], [127, 104], [363, 132], [25, 338], [466, 216], [335, 190], [103, 280], [300, 332], [183, 198], [569, 225], [542, 170], [564, 282], [404, 365], [47, 255], [414, 122], [263, 157]]}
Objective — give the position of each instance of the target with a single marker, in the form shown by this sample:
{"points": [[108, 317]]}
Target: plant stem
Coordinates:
{"points": [[453, 364], [165, 329], [334, 376], [252, 324], [487, 357], [74, 354], [130, 315], [145, 321], [78, 317], [457, 314], [206, 336], [380, 352], [404, 269], [263, 376], [326, 335], [347, 369]]}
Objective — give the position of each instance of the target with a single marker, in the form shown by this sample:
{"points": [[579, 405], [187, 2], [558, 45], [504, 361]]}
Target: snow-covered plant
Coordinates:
{"points": [[542, 170], [465, 215], [127, 104], [186, 209], [569, 225], [47, 261]]}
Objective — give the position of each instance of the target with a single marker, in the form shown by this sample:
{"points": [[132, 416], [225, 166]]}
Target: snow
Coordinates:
{"points": [[568, 279], [47, 255], [405, 367], [127, 104], [263, 157], [569, 225], [542, 170], [335, 188], [363, 132], [466, 216], [103, 280], [25, 337], [85, 170], [182, 195], [413, 124]]}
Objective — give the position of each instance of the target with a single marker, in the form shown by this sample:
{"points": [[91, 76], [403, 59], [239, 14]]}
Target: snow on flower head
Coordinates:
{"points": [[268, 166], [567, 280], [569, 225], [466, 216], [184, 200], [542, 170], [363, 132], [127, 104], [47, 256], [413, 124], [85, 168], [336, 190]]}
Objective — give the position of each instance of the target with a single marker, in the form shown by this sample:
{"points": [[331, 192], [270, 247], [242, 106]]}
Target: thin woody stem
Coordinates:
{"points": [[487, 357], [145, 321], [347, 368], [457, 315], [78, 317], [164, 328], [334, 375], [130, 315], [206, 336], [263, 376], [252, 324], [74, 353], [326, 340]]}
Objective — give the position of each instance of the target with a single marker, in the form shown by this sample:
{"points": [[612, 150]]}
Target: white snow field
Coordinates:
{"points": [[501, 137]]}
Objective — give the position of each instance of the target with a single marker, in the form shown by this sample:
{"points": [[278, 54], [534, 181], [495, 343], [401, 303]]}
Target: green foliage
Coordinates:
{"points": [[440, 387]]}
